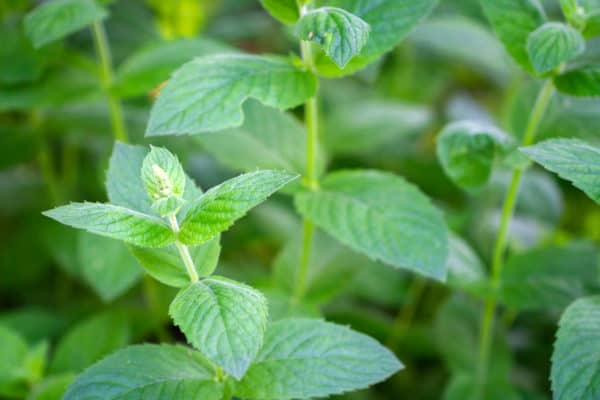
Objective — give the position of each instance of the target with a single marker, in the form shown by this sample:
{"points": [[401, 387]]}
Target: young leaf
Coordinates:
{"points": [[341, 34], [115, 222], [571, 159], [165, 264], [390, 22], [221, 206], [550, 277], [106, 265], [56, 19], [186, 104], [89, 341], [513, 21], [467, 150], [305, 358], [223, 319], [553, 44], [169, 372], [164, 180], [575, 363], [382, 216], [582, 82], [13, 350], [285, 11], [268, 139]]}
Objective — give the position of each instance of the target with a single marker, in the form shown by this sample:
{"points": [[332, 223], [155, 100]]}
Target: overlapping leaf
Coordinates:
{"points": [[553, 44]]}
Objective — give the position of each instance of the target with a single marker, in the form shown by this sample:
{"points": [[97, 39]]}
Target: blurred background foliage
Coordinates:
{"points": [[67, 299]]}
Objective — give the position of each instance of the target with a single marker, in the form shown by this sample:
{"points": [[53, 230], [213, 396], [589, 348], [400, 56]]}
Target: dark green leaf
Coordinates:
{"points": [[584, 81]]}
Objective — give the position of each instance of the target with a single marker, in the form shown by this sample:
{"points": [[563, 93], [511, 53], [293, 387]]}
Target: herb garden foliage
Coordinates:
{"points": [[358, 239]]}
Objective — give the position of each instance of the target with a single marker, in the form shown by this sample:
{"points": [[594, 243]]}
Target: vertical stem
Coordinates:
{"points": [[114, 104], [184, 253], [487, 322], [311, 119], [44, 159]]}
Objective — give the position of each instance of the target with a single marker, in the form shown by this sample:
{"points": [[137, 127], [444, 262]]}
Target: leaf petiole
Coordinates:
{"points": [[184, 252]]}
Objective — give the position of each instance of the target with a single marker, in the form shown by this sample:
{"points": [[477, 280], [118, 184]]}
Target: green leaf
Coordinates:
{"points": [[513, 21], [582, 82], [51, 388], [186, 105], [13, 351], [222, 205], [164, 180], [464, 265], [390, 22], [467, 387], [56, 19], [467, 151], [382, 216], [166, 266], [575, 365], [107, 265], [148, 67], [169, 372], [285, 11], [550, 277], [552, 45], [305, 358], [89, 341], [268, 139], [341, 34], [573, 160], [223, 319], [115, 222]]}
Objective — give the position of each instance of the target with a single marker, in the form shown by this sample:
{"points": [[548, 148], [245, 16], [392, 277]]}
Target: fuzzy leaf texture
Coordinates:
{"points": [[221, 206], [207, 93], [513, 21], [390, 22], [115, 222], [56, 19], [581, 82], [575, 361], [467, 150], [285, 11], [382, 216], [223, 319], [573, 160], [166, 266], [304, 358], [169, 372], [341, 34], [553, 44]]}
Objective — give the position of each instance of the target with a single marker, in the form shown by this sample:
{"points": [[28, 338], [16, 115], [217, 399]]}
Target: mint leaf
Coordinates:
{"points": [[553, 44], [305, 358], [166, 266], [223, 319], [115, 222], [52, 387], [13, 351], [222, 205], [106, 265], [582, 82], [90, 340], [341, 34], [169, 372], [467, 151], [513, 21], [390, 22], [550, 277], [382, 216], [186, 104], [285, 11], [151, 65], [164, 180], [268, 139], [573, 160], [464, 265], [56, 19], [575, 363]]}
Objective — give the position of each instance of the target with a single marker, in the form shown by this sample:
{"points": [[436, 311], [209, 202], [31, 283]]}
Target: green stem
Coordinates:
{"points": [[311, 178], [184, 252], [44, 158], [405, 316], [487, 322], [106, 73]]}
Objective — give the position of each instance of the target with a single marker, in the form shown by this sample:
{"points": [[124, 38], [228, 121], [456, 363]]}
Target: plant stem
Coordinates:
{"points": [[311, 179], [487, 322], [106, 74], [407, 313], [44, 159], [183, 251]]}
